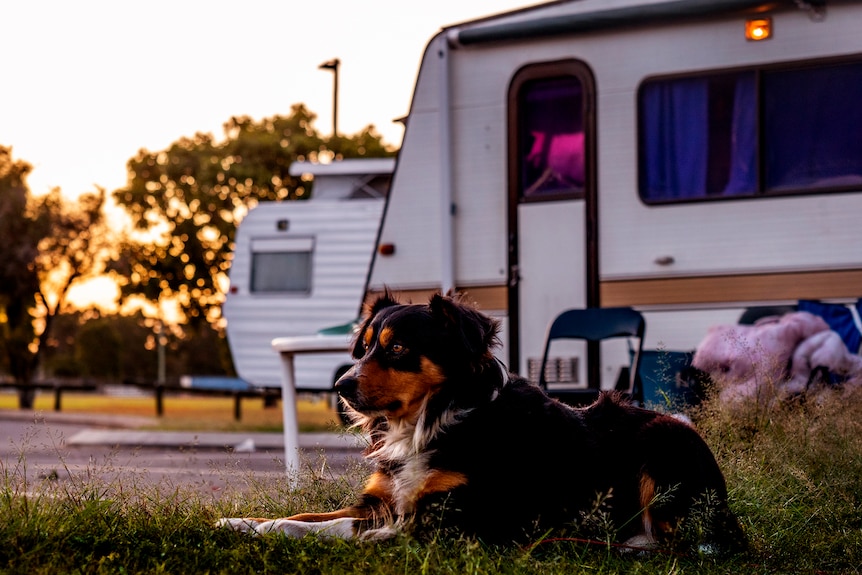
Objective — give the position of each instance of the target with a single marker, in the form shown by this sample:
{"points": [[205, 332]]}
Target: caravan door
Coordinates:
{"points": [[553, 236]]}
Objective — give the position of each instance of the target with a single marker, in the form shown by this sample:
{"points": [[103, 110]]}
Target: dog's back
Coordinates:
{"points": [[534, 464]]}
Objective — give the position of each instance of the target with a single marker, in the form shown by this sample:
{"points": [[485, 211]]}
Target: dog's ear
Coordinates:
{"points": [[382, 302], [476, 332]]}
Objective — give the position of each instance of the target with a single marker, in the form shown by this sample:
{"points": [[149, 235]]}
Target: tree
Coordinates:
{"points": [[188, 200], [47, 244], [98, 350], [73, 246], [19, 280], [112, 348]]}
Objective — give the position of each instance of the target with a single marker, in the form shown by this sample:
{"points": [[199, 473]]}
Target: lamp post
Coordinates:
{"points": [[333, 65]]}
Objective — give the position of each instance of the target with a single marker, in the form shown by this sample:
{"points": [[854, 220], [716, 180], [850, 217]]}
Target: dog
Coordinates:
{"points": [[459, 443]]}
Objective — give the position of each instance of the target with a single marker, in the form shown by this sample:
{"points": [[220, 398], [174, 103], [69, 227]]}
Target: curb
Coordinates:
{"points": [[239, 442], [124, 431], [77, 418]]}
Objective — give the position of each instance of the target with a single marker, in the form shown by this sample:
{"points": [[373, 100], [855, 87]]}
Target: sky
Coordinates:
{"points": [[88, 83]]}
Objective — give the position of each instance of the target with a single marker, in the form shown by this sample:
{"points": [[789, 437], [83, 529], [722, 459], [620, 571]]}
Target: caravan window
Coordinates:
{"points": [[547, 106], [750, 133], [281, 265]]}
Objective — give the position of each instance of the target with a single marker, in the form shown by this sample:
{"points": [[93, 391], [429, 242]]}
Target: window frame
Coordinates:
{"points": [[761, 191]]}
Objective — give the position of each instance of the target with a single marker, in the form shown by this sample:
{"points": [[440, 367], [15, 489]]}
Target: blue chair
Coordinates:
{"points": [[594, 325]]}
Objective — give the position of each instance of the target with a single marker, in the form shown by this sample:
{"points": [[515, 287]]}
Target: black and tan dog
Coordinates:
{"points": [[455, 435]]}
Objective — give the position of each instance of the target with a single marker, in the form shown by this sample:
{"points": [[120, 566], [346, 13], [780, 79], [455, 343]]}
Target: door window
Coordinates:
{"points": [[550, 144]]}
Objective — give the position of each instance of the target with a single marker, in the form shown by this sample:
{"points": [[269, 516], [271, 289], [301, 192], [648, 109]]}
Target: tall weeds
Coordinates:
{"points": [[794, 470]]}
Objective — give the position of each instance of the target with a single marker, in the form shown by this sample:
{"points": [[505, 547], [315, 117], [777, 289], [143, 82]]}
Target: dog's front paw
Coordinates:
{"points": [[379, 534], [241, 524]]}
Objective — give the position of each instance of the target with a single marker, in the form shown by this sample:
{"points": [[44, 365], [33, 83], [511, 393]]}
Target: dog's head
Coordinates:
{"points": [[408, 353]]}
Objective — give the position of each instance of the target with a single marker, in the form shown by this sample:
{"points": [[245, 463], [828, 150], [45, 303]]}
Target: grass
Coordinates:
{"points": [[191, 413], [794, 473]]}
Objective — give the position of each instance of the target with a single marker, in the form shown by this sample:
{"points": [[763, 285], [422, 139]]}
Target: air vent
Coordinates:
{"points": [[557, 370]]}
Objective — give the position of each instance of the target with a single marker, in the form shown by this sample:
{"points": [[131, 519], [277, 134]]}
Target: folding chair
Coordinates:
{"points": [[594, 325]]}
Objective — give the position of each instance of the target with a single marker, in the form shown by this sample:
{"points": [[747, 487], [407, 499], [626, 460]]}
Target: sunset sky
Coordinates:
{"points": [[88, 83]]}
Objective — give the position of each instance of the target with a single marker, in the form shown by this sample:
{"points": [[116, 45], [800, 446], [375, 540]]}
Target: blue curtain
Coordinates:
{"points": [[675, 131], [811, 128], [743, 145], [678, 130]]}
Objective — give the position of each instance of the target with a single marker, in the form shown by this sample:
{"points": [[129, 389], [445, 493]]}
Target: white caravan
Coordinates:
{"points": [[303, 266], [689, 158]]}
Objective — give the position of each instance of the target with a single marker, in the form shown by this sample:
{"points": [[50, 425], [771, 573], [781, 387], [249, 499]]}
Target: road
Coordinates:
{"points": [[64, 448]]}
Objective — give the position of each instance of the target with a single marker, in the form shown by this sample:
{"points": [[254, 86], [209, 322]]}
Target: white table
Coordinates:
{"points": [[288, 347]]}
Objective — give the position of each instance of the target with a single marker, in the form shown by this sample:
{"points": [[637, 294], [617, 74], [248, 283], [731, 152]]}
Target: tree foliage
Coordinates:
{"points": [[186, 201], [47, 244], [74, 243], [113, 348], [19, 281]]}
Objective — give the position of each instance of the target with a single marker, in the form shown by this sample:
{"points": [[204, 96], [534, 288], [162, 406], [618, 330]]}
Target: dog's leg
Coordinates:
{"points": [[372, 513], [375, 504], [354, 512], [646, 539], [341, 528]]}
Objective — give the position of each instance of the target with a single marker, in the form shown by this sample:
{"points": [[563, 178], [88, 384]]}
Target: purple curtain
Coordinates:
{"points": [[813, 127]]}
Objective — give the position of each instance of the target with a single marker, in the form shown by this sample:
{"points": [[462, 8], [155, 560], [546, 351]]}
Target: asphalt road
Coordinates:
{"points": [[63, 448]]}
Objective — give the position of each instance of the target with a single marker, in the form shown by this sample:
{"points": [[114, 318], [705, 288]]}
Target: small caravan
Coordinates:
{"points": [[689, 158], [302, 266]]}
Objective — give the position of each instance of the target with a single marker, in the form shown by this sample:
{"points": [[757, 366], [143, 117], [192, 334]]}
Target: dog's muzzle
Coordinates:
{"points": [[347, 387]]}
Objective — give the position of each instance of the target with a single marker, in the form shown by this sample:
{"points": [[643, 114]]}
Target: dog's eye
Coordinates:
{"points": [[397, 348]]}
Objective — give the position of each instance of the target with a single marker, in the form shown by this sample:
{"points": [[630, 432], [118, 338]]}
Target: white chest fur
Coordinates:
{"points": [[408, 482]]}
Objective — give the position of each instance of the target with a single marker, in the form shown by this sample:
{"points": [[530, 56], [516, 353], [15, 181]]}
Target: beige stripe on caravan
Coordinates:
{"points": [[743, 288], [488, 298], [735, 288]]}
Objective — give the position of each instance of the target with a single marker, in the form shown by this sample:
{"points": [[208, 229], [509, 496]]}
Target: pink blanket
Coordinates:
{"points": [[775, 357]]}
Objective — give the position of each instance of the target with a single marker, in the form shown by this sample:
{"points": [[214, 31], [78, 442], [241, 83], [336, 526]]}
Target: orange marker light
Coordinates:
{"points": [[757, 29]]}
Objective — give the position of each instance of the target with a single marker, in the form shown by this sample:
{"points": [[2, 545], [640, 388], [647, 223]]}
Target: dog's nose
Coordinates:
{"points": [[346, 386]]}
